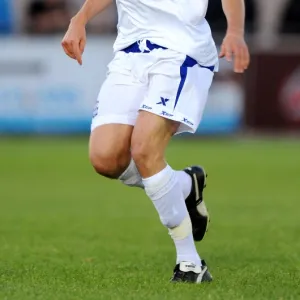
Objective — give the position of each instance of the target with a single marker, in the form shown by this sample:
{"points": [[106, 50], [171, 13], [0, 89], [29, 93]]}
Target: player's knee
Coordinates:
{"points": [[105, 165], [109, 164], [143, 153]]}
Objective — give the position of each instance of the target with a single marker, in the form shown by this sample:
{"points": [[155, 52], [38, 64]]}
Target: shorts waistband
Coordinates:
{"points": [[145, 46]]}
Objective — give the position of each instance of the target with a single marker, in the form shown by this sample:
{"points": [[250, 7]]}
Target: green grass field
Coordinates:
{"points": [[66, 233]]}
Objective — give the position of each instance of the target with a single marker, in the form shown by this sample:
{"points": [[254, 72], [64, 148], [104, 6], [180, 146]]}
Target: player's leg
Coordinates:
{"points": [[113, 120], [149, 141], [110, 153], [109, 149], [178, 91], [184, 87]]}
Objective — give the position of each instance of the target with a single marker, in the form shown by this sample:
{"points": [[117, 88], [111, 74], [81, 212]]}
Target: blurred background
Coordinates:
{"points": [[66, 233]]}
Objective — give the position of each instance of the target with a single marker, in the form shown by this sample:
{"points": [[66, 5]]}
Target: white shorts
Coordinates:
{"points": [[149, 77]]}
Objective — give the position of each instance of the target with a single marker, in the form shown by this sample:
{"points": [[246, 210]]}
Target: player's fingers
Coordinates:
{"points": [[222, 51], [243, 59], [82, 45], [238, 60], [246, 57], [228, 53], [76, 51], [68, 49]]}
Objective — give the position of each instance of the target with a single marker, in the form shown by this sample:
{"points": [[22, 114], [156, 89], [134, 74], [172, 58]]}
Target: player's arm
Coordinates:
{"points": [[234, 43], [74, 40], [90, 9]]}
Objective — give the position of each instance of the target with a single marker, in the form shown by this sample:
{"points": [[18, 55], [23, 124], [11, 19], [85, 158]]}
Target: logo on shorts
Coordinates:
{"points": [[164, 113], [185, 120], [144, 106], [163, 101]]}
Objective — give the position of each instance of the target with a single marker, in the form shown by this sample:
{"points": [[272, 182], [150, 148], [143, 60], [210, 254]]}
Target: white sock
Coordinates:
{"points": [[131, 176], [165, 192], [186, 250], [185, 181]]}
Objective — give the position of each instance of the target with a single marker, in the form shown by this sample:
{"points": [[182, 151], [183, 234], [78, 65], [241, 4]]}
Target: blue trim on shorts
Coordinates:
{"points": [[188, 63], [135, 48]]}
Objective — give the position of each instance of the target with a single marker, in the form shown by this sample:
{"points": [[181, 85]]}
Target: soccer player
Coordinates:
{"points": [[156, 87]]}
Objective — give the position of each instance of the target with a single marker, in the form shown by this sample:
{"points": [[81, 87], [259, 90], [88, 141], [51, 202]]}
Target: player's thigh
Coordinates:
{"points": [[109, 149]]}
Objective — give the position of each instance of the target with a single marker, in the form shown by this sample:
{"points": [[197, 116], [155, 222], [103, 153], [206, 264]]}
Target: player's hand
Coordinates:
{"points": [[74, 40], [234, 47]]}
